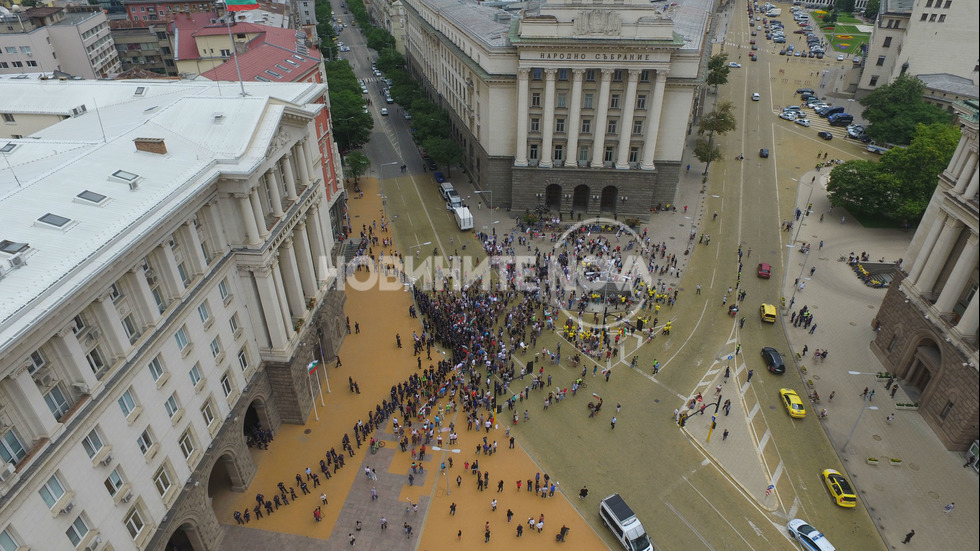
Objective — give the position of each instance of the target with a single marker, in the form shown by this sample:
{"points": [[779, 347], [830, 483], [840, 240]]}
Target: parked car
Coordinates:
{"points": [[788, 115], [803, 122], [765, 270], [384, 111], [825, 135], [808, 536], [792, 403], [764, 153], [774, 362], [839, 488], [734, 65], [439, 176]]}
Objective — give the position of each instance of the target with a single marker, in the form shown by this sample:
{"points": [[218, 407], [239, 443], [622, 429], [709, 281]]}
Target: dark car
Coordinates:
{"points": [[774, 362], [755, 47], [753, 58], [431, 164], [764, 153], [825, 135], [440, 178]]}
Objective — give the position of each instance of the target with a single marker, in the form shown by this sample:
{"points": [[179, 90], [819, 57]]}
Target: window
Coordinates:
{"points": [[887, 42], [52, 491], [533, 153], [7, 542], [614, 101], [535, 124], [37, 361], [172, 406], [587, 101], [233, 323], [559, 153], [7, 117], [223, 290], [93, 443], [583, 153], [559, 125], [924, 17], [637, 127], [56, 402], [618, 75], [158, 298], [53, 219], [226, 385], [204, 312], [881, 61], [156, 368], [608, 154], [561, 100], [134, 522], [207, 412], [215, 347], [187, 444], [873, 81], [946, 410], [536, 74], [562, 74], [641, 101], [535, 99], [182, 271], [79, 324], [195, 374], [243, 359], [590, 75], [586, 126], [611, 126], [77, 531], [928, 3], [645, 75], [162, 480], [26, 50], [95, 360], [942, 19], [129, 326], [181, 337], [114, 482], [634, 154], [114, 293], [145, 442]]}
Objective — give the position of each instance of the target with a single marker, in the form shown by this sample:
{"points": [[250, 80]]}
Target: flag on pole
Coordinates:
{"points": [[241, 5], [312, 367], [769, 490]]}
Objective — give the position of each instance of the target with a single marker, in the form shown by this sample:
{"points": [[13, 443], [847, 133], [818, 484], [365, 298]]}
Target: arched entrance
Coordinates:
{"points": [[223, 475], [925, 362], [185, 538], [552, 197], [607, 202], [580, 199], [256, 427]]}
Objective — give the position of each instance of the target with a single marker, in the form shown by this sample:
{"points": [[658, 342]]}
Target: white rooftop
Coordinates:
{"points": [[45, 173]]}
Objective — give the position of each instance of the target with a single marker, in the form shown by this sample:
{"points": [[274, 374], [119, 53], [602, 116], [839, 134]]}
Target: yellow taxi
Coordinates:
{"points": [[840, 488], [793, 403], [768, 313]]}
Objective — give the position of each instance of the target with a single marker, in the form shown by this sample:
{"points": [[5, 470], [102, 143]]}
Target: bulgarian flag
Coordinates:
{"points": [[243, 5], [312, 366]]}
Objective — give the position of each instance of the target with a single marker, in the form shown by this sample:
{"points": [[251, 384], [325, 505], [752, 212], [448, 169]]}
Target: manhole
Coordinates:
{"points": [[933, 495], [852, 324], [876, 437], [815, 377], [913, 466], [872, 306], [307, 431]]}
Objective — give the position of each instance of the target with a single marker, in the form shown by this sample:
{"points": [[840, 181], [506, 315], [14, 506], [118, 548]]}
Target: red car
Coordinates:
{"points": [[751, 41], [765, 270]]}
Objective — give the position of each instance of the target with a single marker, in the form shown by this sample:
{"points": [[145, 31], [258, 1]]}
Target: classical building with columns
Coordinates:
{"points": [[577, 106], [927, 324], [165, 279]]}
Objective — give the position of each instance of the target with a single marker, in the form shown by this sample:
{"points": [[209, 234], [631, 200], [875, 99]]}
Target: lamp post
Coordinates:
{"points": [[490, 193], [864, 407], [381, 175], [451, 450]]}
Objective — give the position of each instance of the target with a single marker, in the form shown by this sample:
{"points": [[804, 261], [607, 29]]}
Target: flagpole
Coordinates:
{"points": [[234, 50], [312, 396], [326, 379]]}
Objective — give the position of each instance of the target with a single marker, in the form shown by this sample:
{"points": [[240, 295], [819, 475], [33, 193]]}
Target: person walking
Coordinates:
{"points": [[613, 423], [908, 537], [949, 508], [749, 378], [724, 435]]}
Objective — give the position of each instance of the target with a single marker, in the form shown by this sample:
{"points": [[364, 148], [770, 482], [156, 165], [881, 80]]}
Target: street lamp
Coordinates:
{"points": [[381, 171], [451, 450], [864, 407], [489, 192]]}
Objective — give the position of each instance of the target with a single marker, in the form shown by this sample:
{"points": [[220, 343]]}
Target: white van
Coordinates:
{"points": [[619, 518], [464, 218], [445, 188], [453, 200]]}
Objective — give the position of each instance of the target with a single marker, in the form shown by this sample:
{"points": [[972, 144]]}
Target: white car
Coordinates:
{"points": [[840, 57], [808, 536], [384, 111], [734, 65], [802, 122], [755, 96], [788, 115]]}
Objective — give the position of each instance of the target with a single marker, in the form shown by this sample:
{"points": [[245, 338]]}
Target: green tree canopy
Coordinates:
{"points": [[872, 9], [845, 6], [900, 186], [896, 109], [717, 70], [719, 121], [444, 152], [706, 152], [355, 165]]}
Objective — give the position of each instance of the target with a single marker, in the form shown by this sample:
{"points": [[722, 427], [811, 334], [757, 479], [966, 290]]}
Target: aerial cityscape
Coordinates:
{"points": [[442, 274]]}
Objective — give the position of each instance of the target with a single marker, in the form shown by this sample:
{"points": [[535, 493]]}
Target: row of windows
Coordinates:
{"points": [[933, 18], [588, 100], [939, 4], [18, 64], [612, 126], [12, 50], [590, 74], [584, 153]]}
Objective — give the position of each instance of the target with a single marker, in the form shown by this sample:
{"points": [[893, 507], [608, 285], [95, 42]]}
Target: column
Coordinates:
{"points": [[271, 312], [193, 252], [303, 162], [520, 155], [317, 245], [574, 116], [248, 218], [599, 140], [311, 159], [971, 318], [287, 169], [969, 170], [962, 150], [170, 276], [548, 130], [653, 120], [973, 187], [938, 256], [259, 214], [927, 245], [142, 297], [111, 325], [281, 297], [29, 399], [290, 278], [274, 196], [304, 258], [960, 276], [626, 128], [70, 354]]}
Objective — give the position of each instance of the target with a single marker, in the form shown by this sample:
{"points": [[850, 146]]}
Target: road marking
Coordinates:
{"points": [[765, 440], [719, 513], [755, 410], [689, 525], [778, 472]]}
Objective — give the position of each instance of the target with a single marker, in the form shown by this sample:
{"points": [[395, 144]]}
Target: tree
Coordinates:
{"points": [[894, 111], [717, 70], [720, 121], [706, 152], [844, 6], [444, 152], [872, 9], [900, 186], [356, 164]]}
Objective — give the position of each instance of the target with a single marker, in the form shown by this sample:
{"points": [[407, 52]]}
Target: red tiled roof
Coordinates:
{"points": [[240, 27], [268, 61]]}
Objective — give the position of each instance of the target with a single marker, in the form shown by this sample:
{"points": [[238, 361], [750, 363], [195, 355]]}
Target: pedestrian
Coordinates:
{"points": [[889, 418], [323, 497], [452, 509], [510, 515], [749, 378], [724, 435], [908, 537], [832, 394], [894, 390], [493, 505], [459, 535], [842, 219], [949, 508], [865, 393], [612, 424], [384, 523], [352, 540], [374, 495], [814, 328], [699, 289], [486, 536], [520, 530]]}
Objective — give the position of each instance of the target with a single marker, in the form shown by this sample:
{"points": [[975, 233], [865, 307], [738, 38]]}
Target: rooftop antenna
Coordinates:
{"points": [[12, 173], [233, 6], [99, 116]]}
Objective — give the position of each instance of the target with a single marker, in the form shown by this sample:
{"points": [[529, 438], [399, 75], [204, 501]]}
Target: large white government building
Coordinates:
{"points": [[575, 105], [165, 278]]}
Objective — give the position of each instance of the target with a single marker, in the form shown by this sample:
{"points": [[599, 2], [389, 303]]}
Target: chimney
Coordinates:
{"points": [[151, 145]]}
